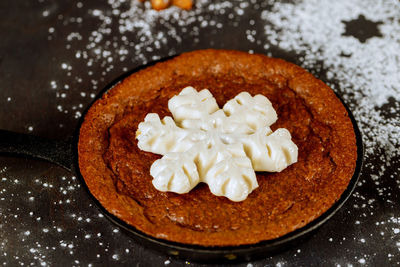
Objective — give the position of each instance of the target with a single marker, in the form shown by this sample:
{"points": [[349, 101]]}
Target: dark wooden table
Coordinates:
{"points": [[56, 56]]}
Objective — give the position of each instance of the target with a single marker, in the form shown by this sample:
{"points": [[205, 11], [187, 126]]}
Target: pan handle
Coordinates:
{"points": [[55, 151]]}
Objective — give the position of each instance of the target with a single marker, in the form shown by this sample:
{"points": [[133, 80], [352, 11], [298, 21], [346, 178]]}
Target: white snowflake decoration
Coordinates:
{"points": [[220, 147]]}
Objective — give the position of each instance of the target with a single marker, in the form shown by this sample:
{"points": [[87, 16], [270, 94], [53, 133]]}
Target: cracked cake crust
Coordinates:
{"points": [[117, 172]]}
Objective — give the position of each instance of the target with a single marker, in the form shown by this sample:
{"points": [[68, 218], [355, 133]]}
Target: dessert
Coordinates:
{"points": [[117, 172], [219, 147]]}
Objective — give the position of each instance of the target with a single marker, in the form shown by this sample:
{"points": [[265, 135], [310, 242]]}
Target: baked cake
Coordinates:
{"points": [[117, 172]]}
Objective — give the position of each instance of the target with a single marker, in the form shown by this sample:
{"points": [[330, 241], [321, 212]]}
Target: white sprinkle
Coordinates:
{"points": [[367, 76]]}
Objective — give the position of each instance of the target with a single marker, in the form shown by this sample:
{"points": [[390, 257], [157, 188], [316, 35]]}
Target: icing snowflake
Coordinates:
{"points": [[220, 147]]}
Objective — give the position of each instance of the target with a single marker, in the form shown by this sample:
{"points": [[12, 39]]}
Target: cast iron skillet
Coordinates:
{"points": [[65, 154]]}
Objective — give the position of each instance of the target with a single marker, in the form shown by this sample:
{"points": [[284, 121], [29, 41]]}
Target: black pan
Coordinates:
{"points": [[65, 154]]}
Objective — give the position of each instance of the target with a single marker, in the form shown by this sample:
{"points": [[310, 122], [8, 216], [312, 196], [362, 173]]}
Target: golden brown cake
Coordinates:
{"points": [[117, 172]]}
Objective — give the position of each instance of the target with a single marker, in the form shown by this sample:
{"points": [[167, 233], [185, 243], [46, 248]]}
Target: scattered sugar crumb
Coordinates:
{"points": [[126, 34]]}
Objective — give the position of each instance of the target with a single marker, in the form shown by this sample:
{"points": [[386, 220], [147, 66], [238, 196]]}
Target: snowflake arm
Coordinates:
{"points": [[231, 175], [175, 172], [270, 151], [247, 114], [163, 136], [191, 109]]}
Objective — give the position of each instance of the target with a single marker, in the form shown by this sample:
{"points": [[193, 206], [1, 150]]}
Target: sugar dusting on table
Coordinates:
{"points": [[367, 74], [127, 34]]}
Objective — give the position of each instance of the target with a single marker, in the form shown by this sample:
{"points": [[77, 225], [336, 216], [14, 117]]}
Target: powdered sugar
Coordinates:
{"points": [[100, 41], [366, 73]]}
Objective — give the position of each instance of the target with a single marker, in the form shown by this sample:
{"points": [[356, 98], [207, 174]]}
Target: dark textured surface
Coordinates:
{"points": [[46, 215]]}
